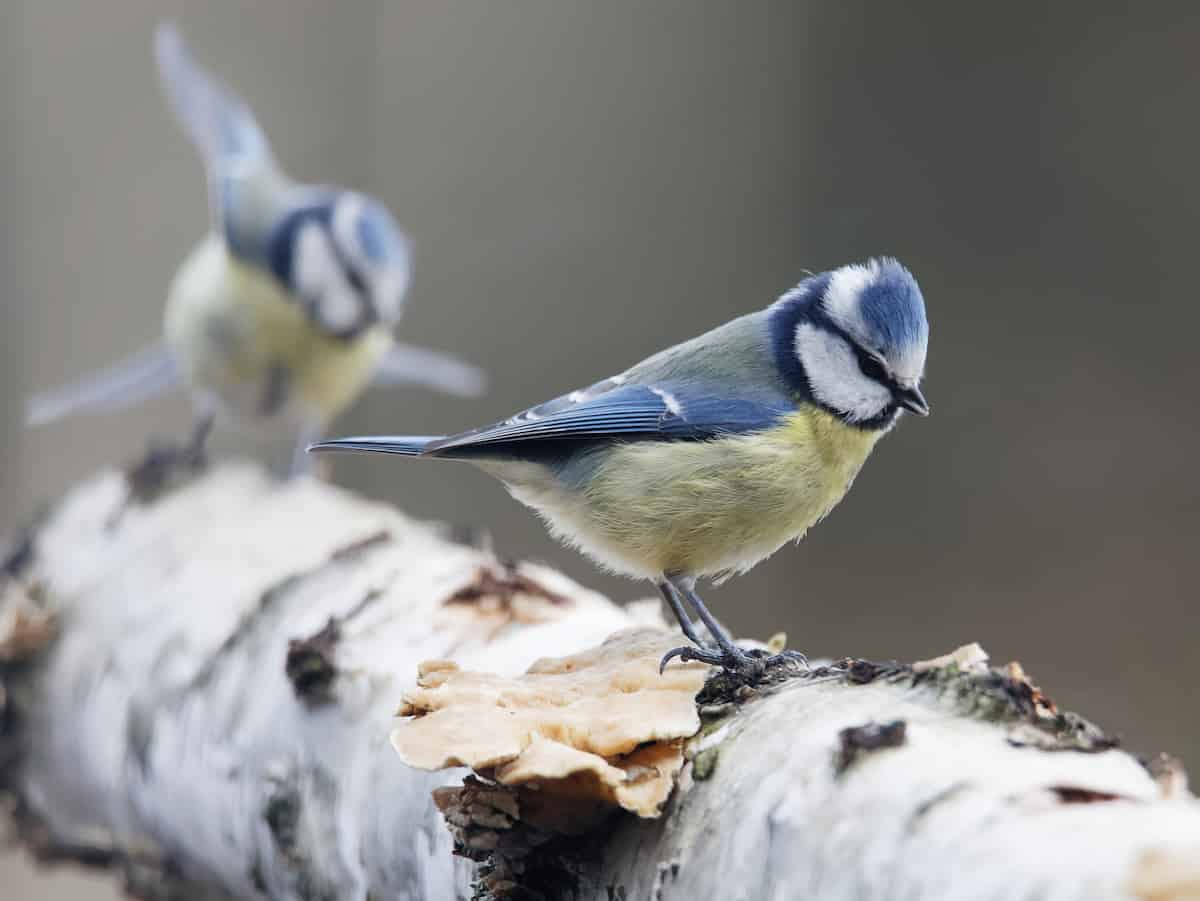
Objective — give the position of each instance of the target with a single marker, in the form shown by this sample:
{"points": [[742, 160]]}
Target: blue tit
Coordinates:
{"points": [[709, 456], [285, 312]]}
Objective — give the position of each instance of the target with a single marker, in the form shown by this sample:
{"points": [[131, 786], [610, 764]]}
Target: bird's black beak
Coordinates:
{"points": [[912, 399]]}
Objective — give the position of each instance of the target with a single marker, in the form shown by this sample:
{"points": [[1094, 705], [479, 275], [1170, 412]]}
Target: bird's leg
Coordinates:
{"points": [[767, 659], [687, 587], [726, 654], [193, 451], [749, 666], [160, 467], [667, 590]]}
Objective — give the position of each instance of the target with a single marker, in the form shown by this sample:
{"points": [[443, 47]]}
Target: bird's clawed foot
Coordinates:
{"points": [[739, 668], [688, 653], [748, 667]]}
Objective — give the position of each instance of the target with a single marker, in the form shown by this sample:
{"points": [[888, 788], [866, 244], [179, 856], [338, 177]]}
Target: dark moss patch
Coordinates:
{"points": [[705, 763], [999, 695]]}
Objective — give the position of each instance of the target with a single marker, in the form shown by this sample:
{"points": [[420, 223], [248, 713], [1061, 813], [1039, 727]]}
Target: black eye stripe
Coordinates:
{"points": [[867, 364], [871, 367], [354, 277], [864, 358], [356, 280], [367, 314]]}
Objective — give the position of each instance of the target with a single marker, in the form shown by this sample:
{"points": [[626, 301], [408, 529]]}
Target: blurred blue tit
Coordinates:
{"points": [[711, 455], [285, 312]]}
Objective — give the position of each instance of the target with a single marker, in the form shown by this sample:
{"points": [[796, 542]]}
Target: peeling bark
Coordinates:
{"points": [[205, 708]]}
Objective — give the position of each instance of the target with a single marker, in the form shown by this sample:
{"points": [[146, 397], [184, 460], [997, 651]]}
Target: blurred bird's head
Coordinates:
{"points": [[344, 257], [853, 341], [338, 252]]}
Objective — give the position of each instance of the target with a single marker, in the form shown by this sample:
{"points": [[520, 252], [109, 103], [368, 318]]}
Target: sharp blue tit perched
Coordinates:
{"points": [[711, 455], [285, 312]]}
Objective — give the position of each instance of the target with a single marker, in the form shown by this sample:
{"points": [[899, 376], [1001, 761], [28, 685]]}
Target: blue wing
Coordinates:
{"points": [[242, 176], [613, 410]]}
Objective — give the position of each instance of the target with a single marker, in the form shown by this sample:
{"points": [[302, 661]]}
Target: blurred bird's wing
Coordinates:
{"points": [[611, 409], [219, 122], [234, 148], [407, 364], [146, 374]]}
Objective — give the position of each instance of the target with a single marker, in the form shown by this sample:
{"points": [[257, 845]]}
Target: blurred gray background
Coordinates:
{"points": [[586, 183]]}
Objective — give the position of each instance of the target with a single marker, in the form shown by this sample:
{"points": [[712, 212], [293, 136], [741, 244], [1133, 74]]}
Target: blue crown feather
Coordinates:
{"points": [[892, 308]]}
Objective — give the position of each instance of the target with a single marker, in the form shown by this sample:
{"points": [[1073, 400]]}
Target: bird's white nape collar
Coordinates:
{"points": [[346, 212], [843, 297], [320, 279], [843, 304], [388, 283]]}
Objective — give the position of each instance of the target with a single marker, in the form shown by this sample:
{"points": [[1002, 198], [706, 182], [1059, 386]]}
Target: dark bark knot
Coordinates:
{"points": [[857, 741], [501, 587], [17, 558], [310, 663]]}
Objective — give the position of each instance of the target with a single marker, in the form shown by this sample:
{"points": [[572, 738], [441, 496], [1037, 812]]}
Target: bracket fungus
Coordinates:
{"points": [[26, 626], [601, 727]]}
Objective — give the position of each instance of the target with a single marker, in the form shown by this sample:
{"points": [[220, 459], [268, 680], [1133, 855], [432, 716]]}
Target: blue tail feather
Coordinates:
{"points": [[404, 445]]}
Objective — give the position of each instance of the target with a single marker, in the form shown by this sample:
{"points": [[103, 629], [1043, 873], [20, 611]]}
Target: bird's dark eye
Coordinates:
{"points": [[872, 368]]}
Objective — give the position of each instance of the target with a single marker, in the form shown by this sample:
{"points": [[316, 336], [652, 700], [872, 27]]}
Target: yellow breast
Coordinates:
{"points": [[717, 507], [231, 326]]}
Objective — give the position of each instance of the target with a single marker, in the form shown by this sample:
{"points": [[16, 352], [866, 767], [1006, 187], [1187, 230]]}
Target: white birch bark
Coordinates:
{"points": [[213, 720]]}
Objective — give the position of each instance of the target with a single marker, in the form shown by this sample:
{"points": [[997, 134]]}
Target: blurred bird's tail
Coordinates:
{"points": [[146, 374], [404, 445]]}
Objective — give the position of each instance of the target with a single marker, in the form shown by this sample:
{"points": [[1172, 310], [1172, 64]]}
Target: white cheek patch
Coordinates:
{"points": [[835, 377], [319, 278]]}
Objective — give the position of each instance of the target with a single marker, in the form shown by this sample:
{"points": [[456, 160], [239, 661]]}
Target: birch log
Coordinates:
{"points": [[198, 692]]}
